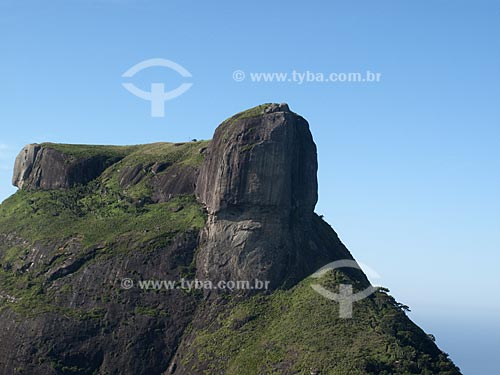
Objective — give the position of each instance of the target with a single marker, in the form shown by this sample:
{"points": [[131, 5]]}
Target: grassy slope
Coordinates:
{"points": [[97, 214], [297, 330], [161, 151], [101, 210], [87, 151]]}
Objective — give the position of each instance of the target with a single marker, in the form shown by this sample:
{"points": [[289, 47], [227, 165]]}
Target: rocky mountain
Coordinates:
{"points": [[91, 226]]}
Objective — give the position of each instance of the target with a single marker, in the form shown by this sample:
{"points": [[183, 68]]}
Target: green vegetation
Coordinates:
{"points": [[187, 153], [298, 330], [91, 216], [94, 216], [178, 155], [252, 112], [151, 312], [31, 215], [87, 151], [101, 217]]}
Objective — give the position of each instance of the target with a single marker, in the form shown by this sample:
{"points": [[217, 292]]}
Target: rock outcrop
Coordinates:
{"points": [[265, 159], [43, 167], [23, 166], [259, 185]]}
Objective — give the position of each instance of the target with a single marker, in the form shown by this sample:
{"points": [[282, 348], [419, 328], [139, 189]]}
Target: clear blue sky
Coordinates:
{"points": [[409, 167]]}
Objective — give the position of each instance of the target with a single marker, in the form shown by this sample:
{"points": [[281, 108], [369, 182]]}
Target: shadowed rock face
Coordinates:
{"points": [[120, 338], [166, 181], [39, 167], [23, 166]]}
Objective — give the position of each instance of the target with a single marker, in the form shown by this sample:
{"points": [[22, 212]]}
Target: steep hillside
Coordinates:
{"points": [[90, 223]]}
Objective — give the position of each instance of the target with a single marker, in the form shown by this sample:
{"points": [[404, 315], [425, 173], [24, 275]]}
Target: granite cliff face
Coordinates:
{"points": [[239, 207], [39, 167], [261, 161], [259, 185]]}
